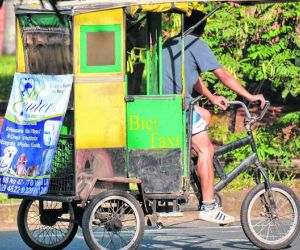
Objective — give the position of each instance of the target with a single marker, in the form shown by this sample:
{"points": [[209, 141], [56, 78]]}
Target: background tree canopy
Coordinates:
{"points": [[259, 44]]}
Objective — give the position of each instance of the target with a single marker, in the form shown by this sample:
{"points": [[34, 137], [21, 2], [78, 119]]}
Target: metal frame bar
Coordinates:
{"points": [[47, 197], [235, 172], [232, 146], [253, 158], [189, 148]]}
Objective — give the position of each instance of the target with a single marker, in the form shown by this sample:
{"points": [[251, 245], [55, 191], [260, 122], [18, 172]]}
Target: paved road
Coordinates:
{"points": [[189, 235]]}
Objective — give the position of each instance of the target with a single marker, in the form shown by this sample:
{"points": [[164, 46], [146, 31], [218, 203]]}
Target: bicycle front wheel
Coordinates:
{"points": [[267, 228]]}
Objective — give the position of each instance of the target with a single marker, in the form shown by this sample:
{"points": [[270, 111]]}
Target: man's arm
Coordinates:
{"points": [[227, 79], [220, 101]]}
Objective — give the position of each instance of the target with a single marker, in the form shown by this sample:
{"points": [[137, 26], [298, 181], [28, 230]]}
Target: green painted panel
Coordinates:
{"points": [[43, 20], [153, 83], [155, 122], [84, 67]]}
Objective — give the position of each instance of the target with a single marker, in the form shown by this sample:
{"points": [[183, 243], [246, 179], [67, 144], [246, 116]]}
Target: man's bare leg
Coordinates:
{"points": [[205, 170]]}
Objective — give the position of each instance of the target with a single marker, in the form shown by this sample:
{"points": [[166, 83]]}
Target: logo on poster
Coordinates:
{"points": [[30, 98]]}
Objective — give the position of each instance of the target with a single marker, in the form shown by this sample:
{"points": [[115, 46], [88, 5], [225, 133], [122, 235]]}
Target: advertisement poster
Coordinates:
{"points": [[30, 132]]}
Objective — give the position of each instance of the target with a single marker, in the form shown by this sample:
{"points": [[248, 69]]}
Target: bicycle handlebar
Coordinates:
{"points": [[248, 114], [264, 111]]}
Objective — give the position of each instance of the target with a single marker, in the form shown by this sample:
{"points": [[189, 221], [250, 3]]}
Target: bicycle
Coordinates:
{"points": [[270, 211]]}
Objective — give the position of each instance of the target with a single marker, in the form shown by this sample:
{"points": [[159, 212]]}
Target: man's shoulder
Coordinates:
{"points": [[203, 42], [172, 41], [196, 41]]}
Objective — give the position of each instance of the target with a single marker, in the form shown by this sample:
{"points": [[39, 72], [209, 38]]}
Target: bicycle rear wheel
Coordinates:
{"points": [[269, 231]]}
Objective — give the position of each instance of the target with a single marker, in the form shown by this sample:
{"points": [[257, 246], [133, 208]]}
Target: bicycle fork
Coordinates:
{"points": [[260, 171]]}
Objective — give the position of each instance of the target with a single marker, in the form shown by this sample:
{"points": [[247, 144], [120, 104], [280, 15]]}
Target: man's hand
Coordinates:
{"points": [[220, 101], [255, 98]]}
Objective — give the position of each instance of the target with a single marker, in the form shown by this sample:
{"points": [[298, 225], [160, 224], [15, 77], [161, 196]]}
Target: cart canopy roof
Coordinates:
{"points": [[78, 7]]}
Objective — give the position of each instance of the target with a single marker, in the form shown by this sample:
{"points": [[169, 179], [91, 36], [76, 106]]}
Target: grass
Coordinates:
{"points": [[4, 200], [7, 70]]}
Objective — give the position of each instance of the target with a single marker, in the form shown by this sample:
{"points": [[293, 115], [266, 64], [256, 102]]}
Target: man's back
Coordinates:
{"points": [[198, 58]]}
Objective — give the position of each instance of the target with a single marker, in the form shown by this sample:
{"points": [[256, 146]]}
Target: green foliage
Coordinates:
{"points": [[135, 55], [257, 44], [290, 118], [7, 70], [5, 200], [271, 145], [281, 176], [171, 25]]}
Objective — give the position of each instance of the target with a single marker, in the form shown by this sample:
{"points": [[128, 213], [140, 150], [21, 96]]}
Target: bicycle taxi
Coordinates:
{"points": [[123, 151]]}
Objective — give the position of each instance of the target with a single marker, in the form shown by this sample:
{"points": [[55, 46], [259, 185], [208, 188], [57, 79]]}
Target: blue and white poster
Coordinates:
{"points": [[30, 132]]}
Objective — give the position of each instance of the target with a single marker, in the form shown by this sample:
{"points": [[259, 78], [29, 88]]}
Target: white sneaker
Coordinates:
{"points": [[216, 216]]}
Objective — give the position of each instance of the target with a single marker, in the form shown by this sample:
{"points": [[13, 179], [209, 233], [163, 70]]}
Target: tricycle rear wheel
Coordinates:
{"points": [[113, 220], [53, 229]]}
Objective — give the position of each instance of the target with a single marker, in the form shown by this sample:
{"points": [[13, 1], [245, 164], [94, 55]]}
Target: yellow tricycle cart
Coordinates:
{"points": [[123, 151]]}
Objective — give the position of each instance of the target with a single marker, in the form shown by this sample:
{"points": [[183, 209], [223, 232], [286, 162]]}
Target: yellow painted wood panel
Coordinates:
{"points": [[105, 17], [99, 115], [20, 51]]}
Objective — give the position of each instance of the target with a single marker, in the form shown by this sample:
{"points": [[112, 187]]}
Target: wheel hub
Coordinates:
{"points": [[115, 225], [48, 220]]}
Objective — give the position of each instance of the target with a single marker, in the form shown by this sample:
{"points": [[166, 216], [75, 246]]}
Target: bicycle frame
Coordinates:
{"points": [[227, 178], [252, 159]]}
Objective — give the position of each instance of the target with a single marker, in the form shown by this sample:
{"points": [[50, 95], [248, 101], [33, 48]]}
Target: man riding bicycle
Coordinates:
{"points": [[198, 59]]}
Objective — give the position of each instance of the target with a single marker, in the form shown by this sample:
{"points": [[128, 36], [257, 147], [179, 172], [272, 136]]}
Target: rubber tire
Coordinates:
{"points": [[245, 222], [89, 209], [27, 239]]}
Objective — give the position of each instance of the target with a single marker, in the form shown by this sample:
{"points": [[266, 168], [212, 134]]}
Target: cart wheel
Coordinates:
{"points": [[53, 229], [269, 228], [113, 220]]}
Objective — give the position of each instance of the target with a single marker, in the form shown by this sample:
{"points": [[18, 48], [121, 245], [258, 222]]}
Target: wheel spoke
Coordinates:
{"points": [[268, 230], [280, 228], [104, 231], [108, 242], [111, 207], [122, 240], [116, 213], [259, 223], [112, 242]]}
